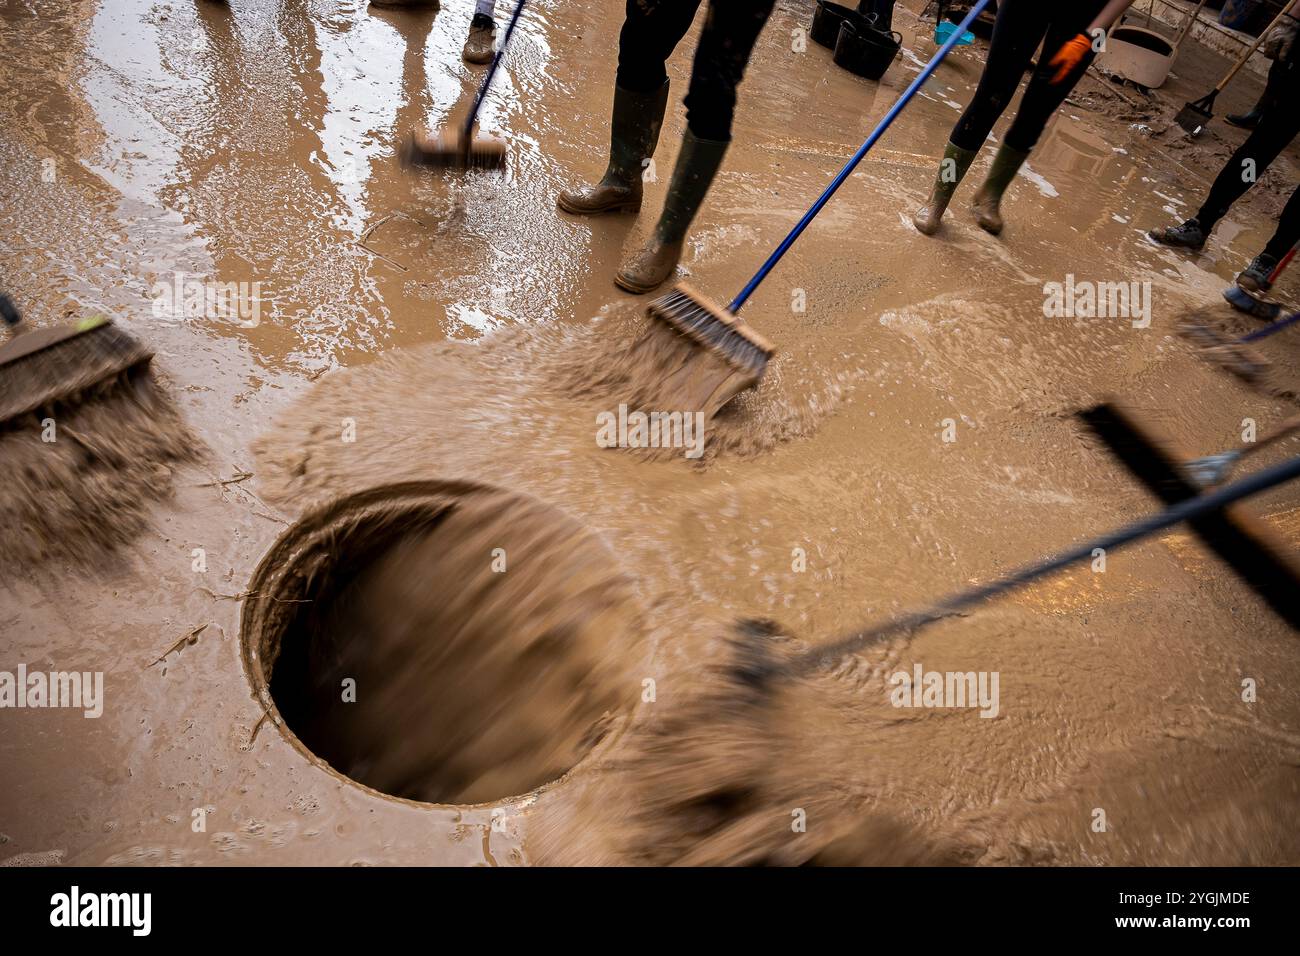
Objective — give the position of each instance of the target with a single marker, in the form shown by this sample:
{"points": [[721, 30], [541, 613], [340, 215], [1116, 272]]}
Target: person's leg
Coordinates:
{"points": [[730, 32], [884, 11], [1278, 126], [480, 45], [651, 30], [1019, 27], [1042, 98], [1270, 95], [1247, 164], [1276, 129], [1259, 275]]}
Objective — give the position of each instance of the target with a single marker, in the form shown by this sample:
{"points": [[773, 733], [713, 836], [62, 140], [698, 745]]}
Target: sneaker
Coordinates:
{"points": [[1189, 235], [480, 46], [1257, 275]]}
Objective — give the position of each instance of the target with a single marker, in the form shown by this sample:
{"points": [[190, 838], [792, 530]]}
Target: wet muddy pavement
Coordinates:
{"points": [[913, 435]]}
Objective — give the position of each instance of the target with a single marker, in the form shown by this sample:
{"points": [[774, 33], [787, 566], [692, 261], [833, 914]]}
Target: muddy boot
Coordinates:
{"points": [[1190, 235], [1258, 275], [633, 135], [951, 171], [696, 166], [481, 44], [988, 201]]}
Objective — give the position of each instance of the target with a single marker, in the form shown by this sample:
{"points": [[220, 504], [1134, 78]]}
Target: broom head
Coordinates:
{"points": [[1243, 301], [1228, 353], [453, 150], [48, 366], [731, 356]]}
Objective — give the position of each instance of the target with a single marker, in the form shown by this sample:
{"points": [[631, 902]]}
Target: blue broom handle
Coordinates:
{"points": [[1268, 330], [852, 164], [492, 70], [1186, 510]]}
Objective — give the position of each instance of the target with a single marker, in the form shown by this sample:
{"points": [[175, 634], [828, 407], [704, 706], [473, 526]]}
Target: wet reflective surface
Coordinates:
{"points": [[255, 145]]}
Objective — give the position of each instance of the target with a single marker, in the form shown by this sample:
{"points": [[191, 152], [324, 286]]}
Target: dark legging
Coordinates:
{"points": [[1020, 26], [653, 29], [1279, 124]]}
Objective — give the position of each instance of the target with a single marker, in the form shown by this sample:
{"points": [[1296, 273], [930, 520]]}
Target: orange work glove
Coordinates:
{"points": [[1069, 57]]}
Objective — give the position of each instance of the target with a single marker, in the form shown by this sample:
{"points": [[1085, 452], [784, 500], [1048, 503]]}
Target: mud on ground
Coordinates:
{"points": [[438, 323]]}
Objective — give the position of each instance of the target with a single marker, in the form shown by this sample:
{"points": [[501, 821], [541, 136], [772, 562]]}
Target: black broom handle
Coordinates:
{"points": [[487, 80], [1183, 511]]}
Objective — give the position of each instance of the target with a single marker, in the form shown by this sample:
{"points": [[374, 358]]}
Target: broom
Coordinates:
{"points": [[706, 765], [46, 367], [1194, 116], [461, 149], [1234, 355], [1214, 469], [743, 355]]}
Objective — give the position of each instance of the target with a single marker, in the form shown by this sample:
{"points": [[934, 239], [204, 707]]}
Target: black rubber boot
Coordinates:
{"points": [[1189, 235], [1256, 277], [633, 136], [697, 164], [988, 201], [1245, 120]]}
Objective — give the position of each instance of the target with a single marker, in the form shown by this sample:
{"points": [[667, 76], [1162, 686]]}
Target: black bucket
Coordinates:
{"points": [[866, 51], [827, 20]]}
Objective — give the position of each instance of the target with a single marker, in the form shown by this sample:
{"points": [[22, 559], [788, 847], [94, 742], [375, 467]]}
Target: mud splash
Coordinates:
{"points": [[445, 644], [530, 386], [79, 479], [725, 777]]}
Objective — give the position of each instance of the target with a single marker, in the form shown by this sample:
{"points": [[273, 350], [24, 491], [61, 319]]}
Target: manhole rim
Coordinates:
{"points": [[419, 494]]}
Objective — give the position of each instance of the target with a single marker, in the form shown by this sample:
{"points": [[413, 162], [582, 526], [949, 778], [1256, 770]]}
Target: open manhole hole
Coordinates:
{"points": [[440, 642]]}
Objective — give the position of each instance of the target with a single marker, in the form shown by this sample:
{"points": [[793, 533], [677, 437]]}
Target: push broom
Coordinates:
{"points": [[45, 367], [461, 149], [1214, 469], [744, 354], [705, 768], [1234, 354], [1195, 116]]}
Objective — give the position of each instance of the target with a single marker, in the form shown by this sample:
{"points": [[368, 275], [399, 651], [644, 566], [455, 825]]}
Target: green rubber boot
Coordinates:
{"points": [[697, 164], [633, 136], [988, 201], [952, 169]]}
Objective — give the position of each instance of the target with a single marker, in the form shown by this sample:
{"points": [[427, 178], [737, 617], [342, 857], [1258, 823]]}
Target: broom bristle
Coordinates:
{"points": [[700, 319], [703, 768], [1228, 353], [61, 371], [450, 151], [1243, 301]]}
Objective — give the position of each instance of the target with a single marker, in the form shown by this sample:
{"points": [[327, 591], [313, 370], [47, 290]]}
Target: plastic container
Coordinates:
{"points": [[945, 28], [866, 51], [1142, 56], [827, 20]]}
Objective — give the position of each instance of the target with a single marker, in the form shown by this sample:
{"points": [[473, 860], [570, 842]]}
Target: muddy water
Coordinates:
{"points": [[444, 317]]}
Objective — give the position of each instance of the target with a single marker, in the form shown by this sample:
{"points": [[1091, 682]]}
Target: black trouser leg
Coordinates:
{"points": [[1288, 228], [651, 31], [1019, 27], [730, 32], [1276, 129], [1042, 96]]}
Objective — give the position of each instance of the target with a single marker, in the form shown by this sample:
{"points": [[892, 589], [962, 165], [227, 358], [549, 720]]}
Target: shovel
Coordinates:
{"points": [[1196, 115]]}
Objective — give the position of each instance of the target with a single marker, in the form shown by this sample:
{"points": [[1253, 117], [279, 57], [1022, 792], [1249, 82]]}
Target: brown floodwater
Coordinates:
{"points": [[436, 328]]}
